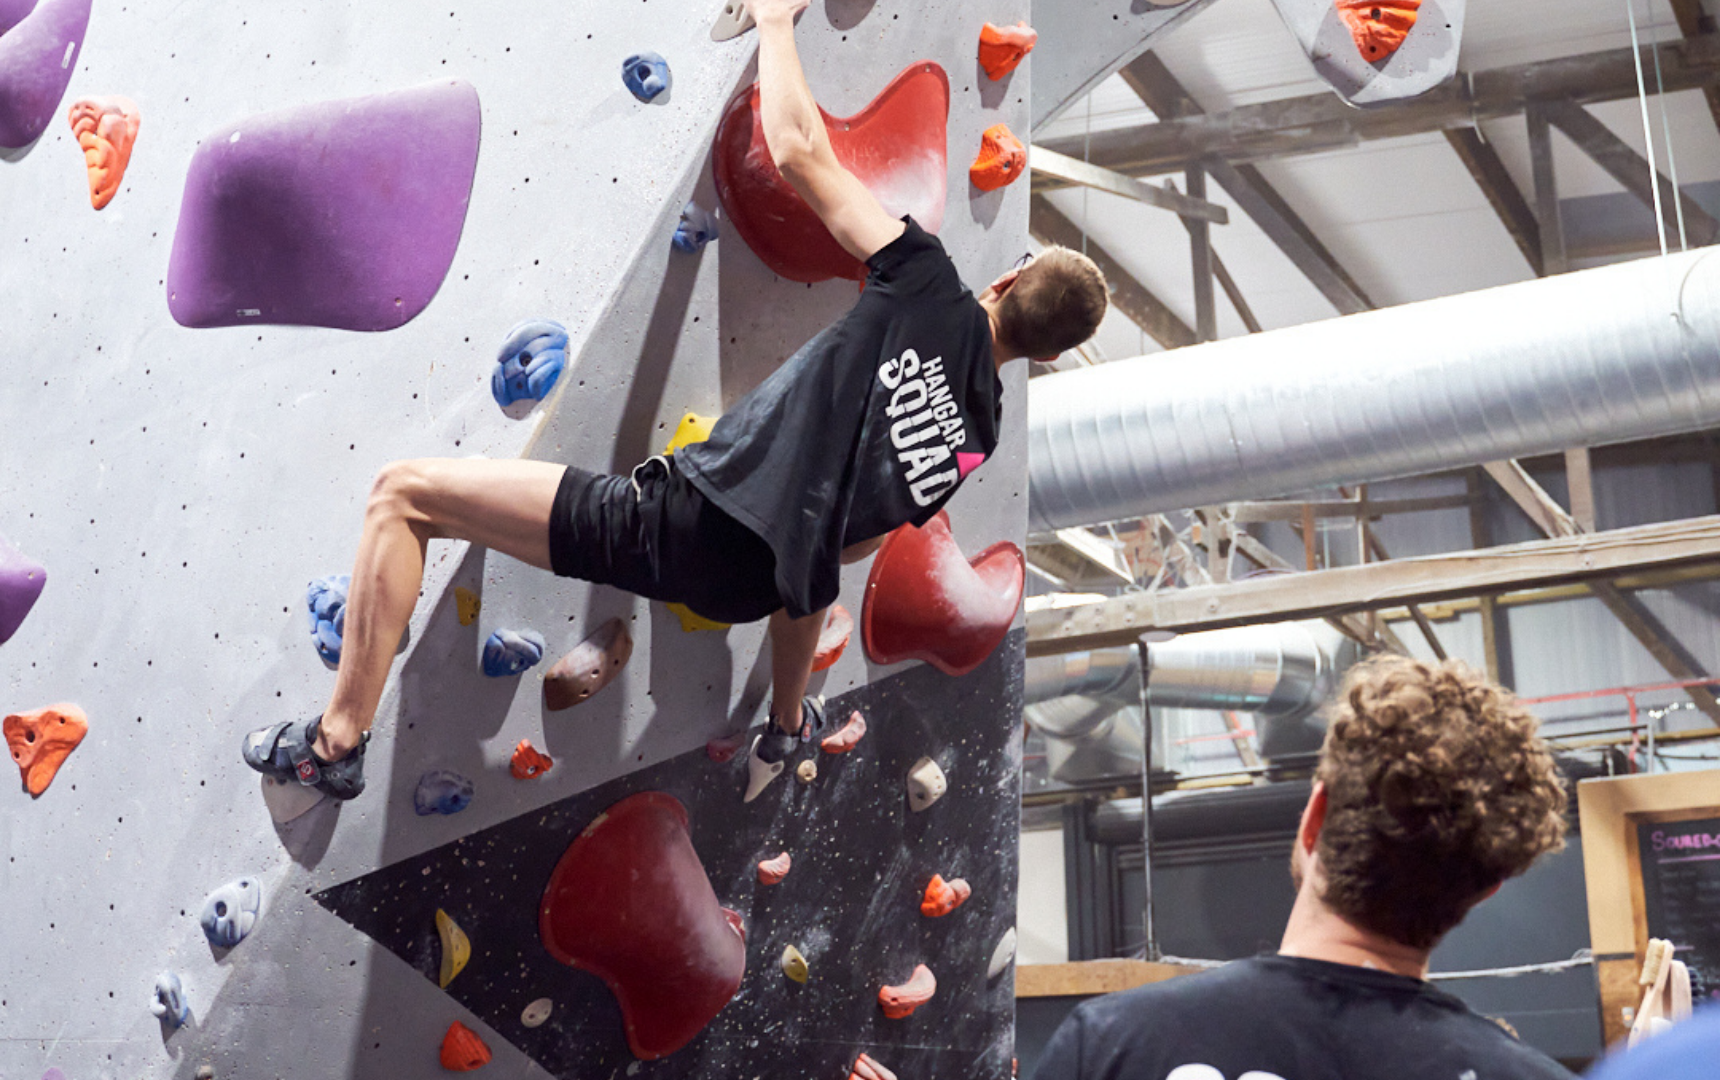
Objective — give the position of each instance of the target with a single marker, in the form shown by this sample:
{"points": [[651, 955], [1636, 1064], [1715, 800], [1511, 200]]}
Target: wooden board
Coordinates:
{"points": [[1087, 978]]}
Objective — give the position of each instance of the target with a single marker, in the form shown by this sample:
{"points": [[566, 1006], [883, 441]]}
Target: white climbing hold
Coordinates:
{"points": [[537, 1012], [926, 784], [760, 773], [1002, 955], [807, 771], [288, 800]]}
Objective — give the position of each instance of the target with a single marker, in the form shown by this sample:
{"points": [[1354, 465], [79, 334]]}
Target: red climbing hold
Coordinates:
{"points": [[1379, 27], [40, 741], [590, 667], [833, 638], [529, 761], [943, 897], [895, 145], [462, 1050], [899, 1002], [772, 871], [1001, 48], [924, 601], [629, 902], [724, 749], [865, 1068], [1001, 159], [848, 738]]}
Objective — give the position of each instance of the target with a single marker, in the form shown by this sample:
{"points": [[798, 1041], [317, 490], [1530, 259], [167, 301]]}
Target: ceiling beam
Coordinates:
{"points": [[1371, 586], [1629, 168], [1154, 84], [1693, 22], [1490, 175], [1051, 226], [1306, 125], [1075, 171]]}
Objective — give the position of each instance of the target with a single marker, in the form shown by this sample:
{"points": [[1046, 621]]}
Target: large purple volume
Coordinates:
{"points": [[21, 581], [344, 214], [38, 53]]}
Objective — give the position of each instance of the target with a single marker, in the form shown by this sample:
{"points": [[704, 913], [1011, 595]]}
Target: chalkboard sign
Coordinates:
{"points": [[1681, 894]]}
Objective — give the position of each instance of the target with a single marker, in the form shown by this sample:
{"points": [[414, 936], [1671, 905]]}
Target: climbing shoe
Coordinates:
{"points": [[284, 752], [778, 745]]}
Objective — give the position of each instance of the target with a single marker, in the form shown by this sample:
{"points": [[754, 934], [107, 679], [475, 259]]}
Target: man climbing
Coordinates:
{"points": [[871, 425]]}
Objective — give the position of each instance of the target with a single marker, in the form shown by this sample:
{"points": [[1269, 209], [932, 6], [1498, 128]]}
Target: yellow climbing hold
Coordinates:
{"points": [[794, 965], [692, 620], [692, 429], [456, 947], [468, 604]]}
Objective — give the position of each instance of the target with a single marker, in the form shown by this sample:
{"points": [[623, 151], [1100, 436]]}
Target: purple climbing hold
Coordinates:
{"points": [[509, 652], [529, 363], [39, 50], [21, 581], [697, 228], [12, 12], [326, 599], [646, 74], [344, 214], [441, 791]]}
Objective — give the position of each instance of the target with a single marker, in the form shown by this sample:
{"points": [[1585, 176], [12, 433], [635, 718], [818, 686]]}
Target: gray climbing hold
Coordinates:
{"points": [[1002, 954], [537, 1012], [168, 1004], [760, 772], [232, 911], [288, 800]]}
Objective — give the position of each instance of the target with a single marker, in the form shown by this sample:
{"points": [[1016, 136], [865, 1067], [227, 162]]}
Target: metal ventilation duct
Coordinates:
{"points": [[1582, 359]]}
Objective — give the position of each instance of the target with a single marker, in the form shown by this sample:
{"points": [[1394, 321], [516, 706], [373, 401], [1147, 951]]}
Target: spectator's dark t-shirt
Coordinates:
{"points": [[871, 425], [1287, 1018]]}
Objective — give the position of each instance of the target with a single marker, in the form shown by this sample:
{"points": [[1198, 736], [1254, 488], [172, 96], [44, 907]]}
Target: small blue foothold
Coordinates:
{"points": [[530, 361], [698, 227], [509, 652], [441, 792], [646, 74], [326, 598], [232, 911], [169, 1001]]}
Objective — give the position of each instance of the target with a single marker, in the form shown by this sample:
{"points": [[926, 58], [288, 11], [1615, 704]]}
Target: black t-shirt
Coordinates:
{"points": [[1287, 1018], [871, 425]]}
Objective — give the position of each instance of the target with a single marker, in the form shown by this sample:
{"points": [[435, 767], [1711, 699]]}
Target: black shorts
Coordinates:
{"points": [[655, 534]]}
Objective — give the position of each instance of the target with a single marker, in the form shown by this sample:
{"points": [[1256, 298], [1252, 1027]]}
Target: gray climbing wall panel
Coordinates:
{"points": [[182, 486]]}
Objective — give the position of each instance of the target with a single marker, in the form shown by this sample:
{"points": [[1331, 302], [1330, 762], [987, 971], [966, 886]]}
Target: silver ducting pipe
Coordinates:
{"points": [[1581, 359], [1100, 673], [1280, 671]]}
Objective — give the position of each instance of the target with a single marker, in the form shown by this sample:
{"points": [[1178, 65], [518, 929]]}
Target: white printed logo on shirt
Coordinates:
{"points": [[1207, 1072], [927, 430]]}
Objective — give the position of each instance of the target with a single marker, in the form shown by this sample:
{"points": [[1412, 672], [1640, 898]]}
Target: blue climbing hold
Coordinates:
{"points": [[646, 74], [326, 597], [232, 911], [529, 363], [698, 227], [169, 1002], [441, 792], [509, 652]]}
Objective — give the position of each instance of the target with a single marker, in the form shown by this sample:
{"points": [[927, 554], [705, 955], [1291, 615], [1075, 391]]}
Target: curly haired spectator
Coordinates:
{"points": [[1433, 789]]}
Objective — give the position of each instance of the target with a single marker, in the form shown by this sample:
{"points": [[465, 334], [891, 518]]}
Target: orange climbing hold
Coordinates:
{"points": [[106, 127], [529, 761], [1001, 159], [1379, 27], [40, 741], [772, 871], [899, 1002], [867, 1069], [848, 738], [833, 638], [462, 1050], [943, 897], [1002, 48]]}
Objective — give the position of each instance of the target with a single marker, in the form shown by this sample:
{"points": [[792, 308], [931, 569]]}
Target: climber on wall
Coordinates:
{"points": [[871, 425]]}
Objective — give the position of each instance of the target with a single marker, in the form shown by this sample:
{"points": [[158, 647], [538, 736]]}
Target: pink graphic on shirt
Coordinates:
{"points": [[967, 462]]}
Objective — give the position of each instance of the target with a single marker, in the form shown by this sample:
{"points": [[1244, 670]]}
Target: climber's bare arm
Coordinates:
{"points": [[794, 131]]}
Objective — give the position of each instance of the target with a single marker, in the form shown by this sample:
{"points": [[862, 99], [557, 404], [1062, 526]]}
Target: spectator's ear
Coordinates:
{"points": [[1313, 819]]}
